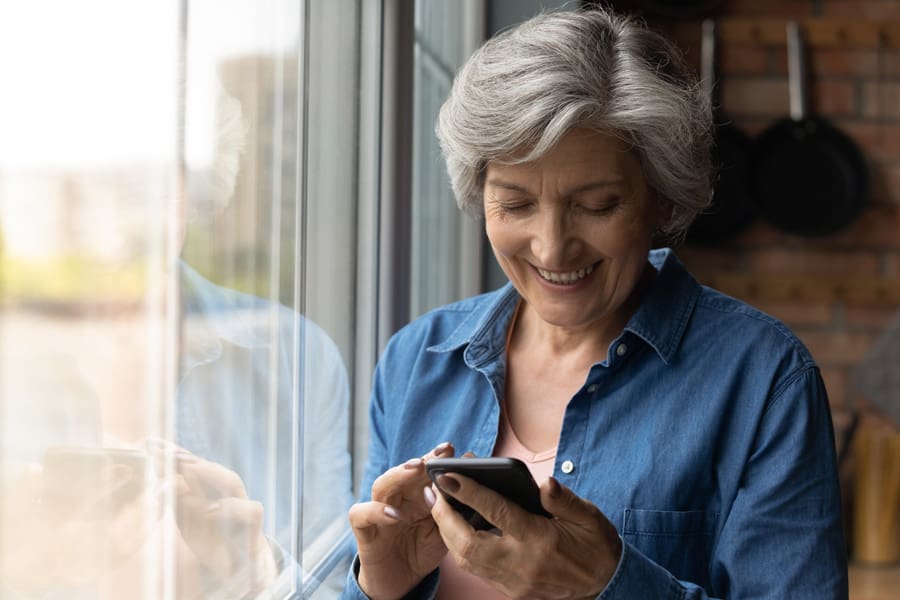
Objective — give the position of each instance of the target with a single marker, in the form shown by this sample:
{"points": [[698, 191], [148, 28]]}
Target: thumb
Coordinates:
{"points": [[564, 504]]}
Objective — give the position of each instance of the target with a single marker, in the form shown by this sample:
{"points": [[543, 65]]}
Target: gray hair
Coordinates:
{"points": [[524, 89]]}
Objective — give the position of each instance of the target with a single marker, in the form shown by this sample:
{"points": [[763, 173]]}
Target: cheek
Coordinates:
{"points": [[612, 240], [631, 235], [503, 238]]}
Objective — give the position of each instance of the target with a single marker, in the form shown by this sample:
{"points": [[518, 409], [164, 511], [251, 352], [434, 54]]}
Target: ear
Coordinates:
{"points": [[664, 210], [662, 214]]}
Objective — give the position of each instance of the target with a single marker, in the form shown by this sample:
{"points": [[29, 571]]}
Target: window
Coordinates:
{"points": [[187, 224], [446, 244], [213, 213]]}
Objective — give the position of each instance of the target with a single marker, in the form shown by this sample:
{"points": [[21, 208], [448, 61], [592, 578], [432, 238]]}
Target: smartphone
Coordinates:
{"points": [[508, 477], [72, 474]]}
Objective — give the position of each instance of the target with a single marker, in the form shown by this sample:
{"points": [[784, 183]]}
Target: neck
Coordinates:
{"points": [[582, 343]]}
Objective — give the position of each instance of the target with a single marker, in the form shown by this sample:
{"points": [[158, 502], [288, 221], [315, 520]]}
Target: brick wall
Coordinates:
{"points": [[837, 292]]}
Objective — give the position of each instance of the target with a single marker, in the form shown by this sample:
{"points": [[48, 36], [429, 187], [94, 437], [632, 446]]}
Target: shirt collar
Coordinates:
{"points": [[483, 332], [660, 320], [213, 314], [663, 315]]}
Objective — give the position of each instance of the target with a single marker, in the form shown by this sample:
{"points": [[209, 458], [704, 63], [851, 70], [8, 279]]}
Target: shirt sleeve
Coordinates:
{"points": [[781, 536], [377, 463]]}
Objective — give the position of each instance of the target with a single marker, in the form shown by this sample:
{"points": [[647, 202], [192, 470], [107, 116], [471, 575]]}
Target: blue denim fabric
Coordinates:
{"points": [[704, 435], [237, 406]]}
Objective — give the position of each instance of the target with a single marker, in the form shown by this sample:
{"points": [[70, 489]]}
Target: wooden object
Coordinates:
{"points": [[876, 503], [869, 582]]}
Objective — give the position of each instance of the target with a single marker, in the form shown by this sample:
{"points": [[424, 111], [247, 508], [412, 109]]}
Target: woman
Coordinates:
{"points": [[688, 435]]}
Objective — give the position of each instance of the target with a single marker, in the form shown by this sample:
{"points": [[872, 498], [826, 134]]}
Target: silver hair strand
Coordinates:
{"points": [[525, 88]]}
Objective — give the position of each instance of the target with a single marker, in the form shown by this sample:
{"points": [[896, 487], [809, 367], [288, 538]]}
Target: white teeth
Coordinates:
{"points": [[566, 278]]}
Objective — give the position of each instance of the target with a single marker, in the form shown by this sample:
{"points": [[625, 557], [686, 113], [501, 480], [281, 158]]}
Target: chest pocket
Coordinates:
{"points": [[679, 541]]}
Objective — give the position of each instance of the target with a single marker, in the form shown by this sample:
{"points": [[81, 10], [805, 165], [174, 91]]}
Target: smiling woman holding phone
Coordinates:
{"points": [[681, 438]]}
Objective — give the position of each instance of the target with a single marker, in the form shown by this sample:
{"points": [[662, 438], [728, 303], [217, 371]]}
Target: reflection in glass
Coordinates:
{"points": [[173, 397]]}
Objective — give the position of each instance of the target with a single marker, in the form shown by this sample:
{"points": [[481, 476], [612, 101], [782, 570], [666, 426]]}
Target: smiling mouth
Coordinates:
{"points": [[565, 278]]}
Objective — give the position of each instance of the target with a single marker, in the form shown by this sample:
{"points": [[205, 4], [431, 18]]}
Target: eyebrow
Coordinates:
{"points": [[591, 185]]}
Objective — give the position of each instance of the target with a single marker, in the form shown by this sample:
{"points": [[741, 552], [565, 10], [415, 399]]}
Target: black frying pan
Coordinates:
{"points": [[732, 208], [808, 177]]}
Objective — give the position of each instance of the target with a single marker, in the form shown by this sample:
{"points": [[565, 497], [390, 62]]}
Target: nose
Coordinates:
{"points": [[552, 239]]}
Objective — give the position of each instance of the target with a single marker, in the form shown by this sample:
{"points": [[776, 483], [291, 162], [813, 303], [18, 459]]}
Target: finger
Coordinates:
{"points": [[366, 514], [475, 551], [162, 451], [162, 454], [226, 517], [157, 444], [398, 484], [563, 503], [236, 511], [403, 483], [501, 512], [446, 517], [366, 517], [442, 450], [209, 478]]}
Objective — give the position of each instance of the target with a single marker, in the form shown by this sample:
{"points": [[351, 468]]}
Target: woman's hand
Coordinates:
{"points": [[397, 540], [219, 523], [572, 555]]}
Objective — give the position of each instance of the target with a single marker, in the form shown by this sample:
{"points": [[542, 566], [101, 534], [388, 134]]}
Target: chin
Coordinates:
{"points": [[561, 317]]}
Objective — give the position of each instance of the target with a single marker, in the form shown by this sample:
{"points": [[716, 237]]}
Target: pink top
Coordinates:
{"points": [[456, 584]]}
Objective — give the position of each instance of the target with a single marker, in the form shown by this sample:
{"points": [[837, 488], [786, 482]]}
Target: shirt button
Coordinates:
{"points": [[567, 467], [622, 349], [592, 388]]}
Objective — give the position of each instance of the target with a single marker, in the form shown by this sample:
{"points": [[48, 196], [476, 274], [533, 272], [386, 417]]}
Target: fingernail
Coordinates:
{"points": [[553, 489], [448, 483], [213, 507], [392, 512], [412, 463], [429, 496], [441, 448]]}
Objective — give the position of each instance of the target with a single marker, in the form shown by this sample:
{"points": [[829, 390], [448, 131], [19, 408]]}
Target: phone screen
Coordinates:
{"points": [[506, 476]]}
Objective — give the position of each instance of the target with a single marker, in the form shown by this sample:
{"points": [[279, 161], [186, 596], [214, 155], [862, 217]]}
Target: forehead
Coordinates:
{"points": [[579, 154]]}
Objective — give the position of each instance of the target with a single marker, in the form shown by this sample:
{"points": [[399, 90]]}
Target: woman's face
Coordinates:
{"points": [[572, 229]]}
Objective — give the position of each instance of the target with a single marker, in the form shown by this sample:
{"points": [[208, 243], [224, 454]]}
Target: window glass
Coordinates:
{"points": [[445, 243], [178, 297]]}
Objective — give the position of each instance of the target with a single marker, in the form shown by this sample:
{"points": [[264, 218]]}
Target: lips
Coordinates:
{"points": [[565, 277]]}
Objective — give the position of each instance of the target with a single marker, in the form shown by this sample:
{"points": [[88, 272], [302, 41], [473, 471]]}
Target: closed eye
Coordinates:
{"points": [[509, 206], [514, 207], [604, 208]]}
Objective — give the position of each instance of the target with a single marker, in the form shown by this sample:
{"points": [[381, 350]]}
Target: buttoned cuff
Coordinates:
{"points": [[426, 589], [637, 576]]}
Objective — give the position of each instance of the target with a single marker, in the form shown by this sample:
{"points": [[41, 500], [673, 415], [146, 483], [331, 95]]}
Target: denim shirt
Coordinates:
{"points": [[704, 435], [238, 406]]}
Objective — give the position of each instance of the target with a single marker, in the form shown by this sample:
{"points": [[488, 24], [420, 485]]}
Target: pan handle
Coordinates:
{"points": [[796, 72]]}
